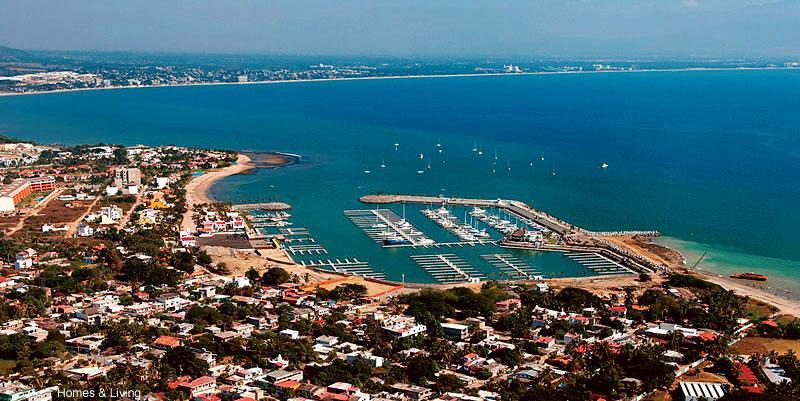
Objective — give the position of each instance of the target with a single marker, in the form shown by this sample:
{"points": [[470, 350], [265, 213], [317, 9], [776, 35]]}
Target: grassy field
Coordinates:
{"points": [[6, 366], [758, 310]]}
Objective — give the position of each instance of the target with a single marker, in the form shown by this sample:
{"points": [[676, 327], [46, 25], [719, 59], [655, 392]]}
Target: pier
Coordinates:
{"points": [[448, 268], [353, 266], [598, 263], [387, 228]]}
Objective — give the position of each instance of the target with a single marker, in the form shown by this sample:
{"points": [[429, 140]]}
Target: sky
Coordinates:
{"points": [[569, 28]]}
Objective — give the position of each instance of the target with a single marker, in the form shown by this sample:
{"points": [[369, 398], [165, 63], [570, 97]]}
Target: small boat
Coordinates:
{"points": [[396, 146], [421, 156], [367, 171], [395, 241], [750, 276], [531, 164], [420, 171], [604, 165], [429, 166]]}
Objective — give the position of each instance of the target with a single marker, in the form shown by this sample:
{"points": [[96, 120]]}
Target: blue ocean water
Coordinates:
{"points": [[711, 159]]}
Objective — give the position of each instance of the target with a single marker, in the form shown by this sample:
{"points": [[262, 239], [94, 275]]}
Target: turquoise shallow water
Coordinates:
{"points": [[712, 159]]}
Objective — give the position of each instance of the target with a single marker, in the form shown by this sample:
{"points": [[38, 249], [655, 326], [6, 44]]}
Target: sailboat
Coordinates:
{"points": [[542, 156], [509, 166], [554, 171], [429, 166], [367, 171], [383, 164], [475, 147], [396, 146], [495, 154]]}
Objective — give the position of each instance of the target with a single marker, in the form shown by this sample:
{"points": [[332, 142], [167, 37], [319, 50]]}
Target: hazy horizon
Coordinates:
{"points": [[414, 28]]}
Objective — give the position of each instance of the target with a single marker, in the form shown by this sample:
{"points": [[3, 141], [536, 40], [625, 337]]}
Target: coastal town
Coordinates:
{"points": [[122, 279], [23, 72]]}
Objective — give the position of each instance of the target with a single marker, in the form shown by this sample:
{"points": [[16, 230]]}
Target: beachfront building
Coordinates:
{"points": [[19, 189]]}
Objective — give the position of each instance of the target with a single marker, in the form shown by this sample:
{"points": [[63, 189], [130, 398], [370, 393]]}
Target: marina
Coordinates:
{"points": [[448, 268]]}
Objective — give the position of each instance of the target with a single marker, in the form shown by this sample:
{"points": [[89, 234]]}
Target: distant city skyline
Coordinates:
{"points": [[573, 28]]}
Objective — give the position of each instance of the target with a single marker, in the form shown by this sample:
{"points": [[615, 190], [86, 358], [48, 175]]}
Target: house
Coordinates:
{"points": [[413, 392], [374, 361], [170, 302], [508, 305], [187, 239], [167, 342], [24, 259], [85, 230], [403, 326], [201, 386], [455, 331], [280, 375], [327, 341], [91, 315], [293, 334], [85, 344], [545, 342]]}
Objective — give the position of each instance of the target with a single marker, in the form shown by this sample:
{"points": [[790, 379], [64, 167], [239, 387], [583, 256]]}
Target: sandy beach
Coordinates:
{"points": [[198, 187], [741, 287], [672, 258]]}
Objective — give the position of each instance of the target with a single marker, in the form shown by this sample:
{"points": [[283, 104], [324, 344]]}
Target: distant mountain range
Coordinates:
{"points": [[10, 54]]}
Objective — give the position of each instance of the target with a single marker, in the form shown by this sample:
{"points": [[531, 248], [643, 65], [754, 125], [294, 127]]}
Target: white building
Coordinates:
{"points": [[697, 391]]}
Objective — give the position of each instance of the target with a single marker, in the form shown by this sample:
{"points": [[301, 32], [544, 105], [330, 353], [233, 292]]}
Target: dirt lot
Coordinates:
{"points": [[234, 241], [56, 212], [763, 345], [374, 289]]}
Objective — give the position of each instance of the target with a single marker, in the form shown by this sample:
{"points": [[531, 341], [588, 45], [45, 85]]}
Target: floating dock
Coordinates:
{"points": [[513, 267], [353, 266], [307, 249], [448, 268], [597, 263]]}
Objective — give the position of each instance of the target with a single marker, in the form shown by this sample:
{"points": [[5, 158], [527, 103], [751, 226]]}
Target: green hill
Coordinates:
{"points": [[9, 54]]}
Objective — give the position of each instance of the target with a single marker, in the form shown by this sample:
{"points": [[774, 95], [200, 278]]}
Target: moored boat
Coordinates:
{"points": [[750, 276]]}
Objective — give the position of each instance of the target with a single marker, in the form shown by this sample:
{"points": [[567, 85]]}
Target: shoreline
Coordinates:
{"points": [[413, 76], [197, 188]]}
